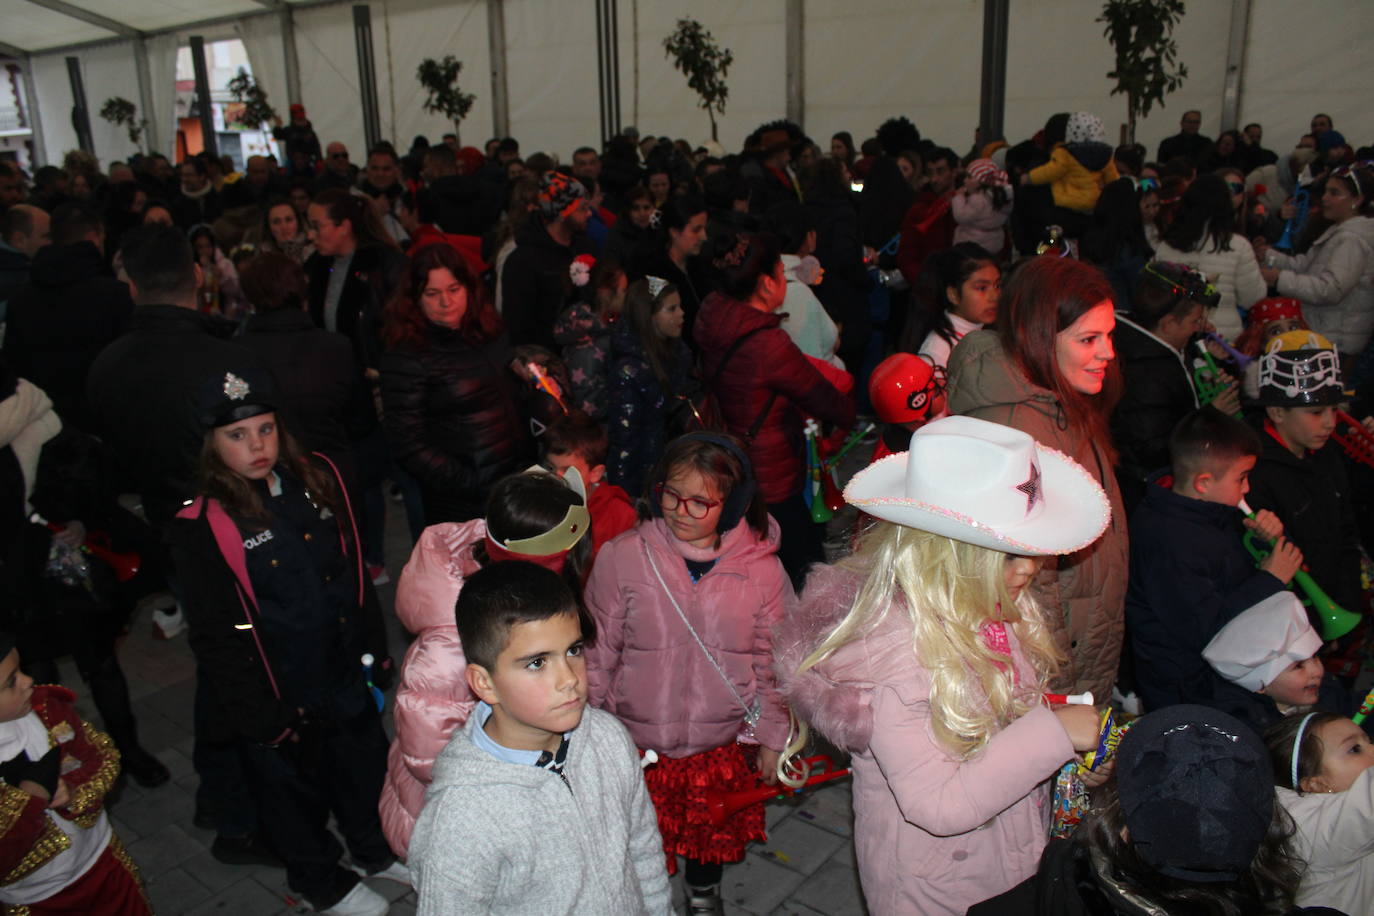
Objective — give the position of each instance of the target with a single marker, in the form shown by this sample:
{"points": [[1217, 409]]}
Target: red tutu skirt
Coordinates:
{"points": [[679, 786]]}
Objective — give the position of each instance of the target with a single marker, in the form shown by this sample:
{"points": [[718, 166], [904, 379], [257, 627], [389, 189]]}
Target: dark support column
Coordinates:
{"points": [[496, 45], [81, 115], [608, 67], [367, 74], [794, 27], [207, 115], [992, 101]]}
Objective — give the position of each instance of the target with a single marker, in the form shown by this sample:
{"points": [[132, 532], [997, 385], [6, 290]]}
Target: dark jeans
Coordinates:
{"points": [[803, 541], [218, 761], [336, 769]]}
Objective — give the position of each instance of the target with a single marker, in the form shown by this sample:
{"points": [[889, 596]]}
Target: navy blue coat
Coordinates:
{"points": [[1190, 574]]}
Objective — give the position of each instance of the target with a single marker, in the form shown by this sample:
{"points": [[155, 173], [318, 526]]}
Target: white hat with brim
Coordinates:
{"points": [[986, 484]]}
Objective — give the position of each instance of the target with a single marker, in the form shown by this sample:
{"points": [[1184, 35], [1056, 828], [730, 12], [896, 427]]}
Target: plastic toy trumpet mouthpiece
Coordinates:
{"points": [[1069, 699]]}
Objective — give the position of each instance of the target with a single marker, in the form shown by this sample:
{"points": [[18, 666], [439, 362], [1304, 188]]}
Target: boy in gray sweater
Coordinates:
{"points": [[538, 805]]}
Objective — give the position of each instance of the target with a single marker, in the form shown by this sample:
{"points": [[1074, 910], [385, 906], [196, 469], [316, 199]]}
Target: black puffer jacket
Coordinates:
{"points": [[453, 420], [845, 287], [60, 321], [326, 399], [1311, 496], [1158, 393], [536, 284]]}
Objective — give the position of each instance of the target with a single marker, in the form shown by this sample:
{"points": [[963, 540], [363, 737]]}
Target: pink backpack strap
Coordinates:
{"points": [[352, 521], [230, 542]]}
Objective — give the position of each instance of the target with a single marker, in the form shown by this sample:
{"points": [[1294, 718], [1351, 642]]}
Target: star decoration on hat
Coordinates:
{"points": [[1032, 488], [235, 388]]}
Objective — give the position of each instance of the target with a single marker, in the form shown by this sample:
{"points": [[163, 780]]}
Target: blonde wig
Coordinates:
{"points": [[949, 589]]}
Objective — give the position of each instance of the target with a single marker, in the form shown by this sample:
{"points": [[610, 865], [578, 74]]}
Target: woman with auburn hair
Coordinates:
{"points": [[450, 399], [1050, 370]]}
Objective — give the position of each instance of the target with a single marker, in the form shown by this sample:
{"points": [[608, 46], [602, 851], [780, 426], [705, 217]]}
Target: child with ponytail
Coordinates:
{"points": [[925, 657]]}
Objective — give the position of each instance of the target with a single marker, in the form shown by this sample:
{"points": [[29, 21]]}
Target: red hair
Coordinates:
{"points": [[405, 323]]}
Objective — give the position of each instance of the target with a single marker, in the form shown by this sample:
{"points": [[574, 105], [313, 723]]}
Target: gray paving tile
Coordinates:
{"points": [[830, 807], [833, 890], [215, 875], [167, 804], [175, 892], [758, 885], [800, 846], [792, 908], [240, 899], [162, 850]]}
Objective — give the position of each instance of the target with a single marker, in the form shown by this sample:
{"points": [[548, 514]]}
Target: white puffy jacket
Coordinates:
{"points": [[1335, 281], [1235, 274]]}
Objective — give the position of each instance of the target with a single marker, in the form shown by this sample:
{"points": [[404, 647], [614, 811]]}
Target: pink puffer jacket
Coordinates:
{"points": [[646, 668], [433, 700]]}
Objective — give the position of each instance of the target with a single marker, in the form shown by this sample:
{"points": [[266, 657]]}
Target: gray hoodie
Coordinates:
{"points": [[502, 838]]}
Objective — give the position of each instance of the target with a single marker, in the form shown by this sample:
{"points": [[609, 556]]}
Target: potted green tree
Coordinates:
{"points": [[694, 51], [439, 79], [1147, 67], [121, 112]]}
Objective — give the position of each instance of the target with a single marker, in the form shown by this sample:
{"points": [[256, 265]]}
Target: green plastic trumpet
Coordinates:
{"points": [[1336, 621]]}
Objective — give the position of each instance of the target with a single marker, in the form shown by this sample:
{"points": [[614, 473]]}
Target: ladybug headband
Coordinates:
{"points": [[1275, 308], [1183, 282]]}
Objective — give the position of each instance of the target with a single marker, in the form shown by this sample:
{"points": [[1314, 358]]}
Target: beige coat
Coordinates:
{"points": [[1086, 589]]}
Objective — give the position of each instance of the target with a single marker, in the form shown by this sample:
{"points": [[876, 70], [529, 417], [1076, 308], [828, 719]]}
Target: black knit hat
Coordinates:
{"points": [[1197, 792], [233, 396]]}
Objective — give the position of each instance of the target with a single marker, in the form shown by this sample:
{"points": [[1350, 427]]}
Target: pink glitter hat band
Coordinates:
{"points": [[985, 484]]}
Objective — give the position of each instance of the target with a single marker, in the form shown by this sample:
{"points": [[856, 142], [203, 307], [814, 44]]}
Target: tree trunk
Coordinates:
{"points": [[710, 114]]}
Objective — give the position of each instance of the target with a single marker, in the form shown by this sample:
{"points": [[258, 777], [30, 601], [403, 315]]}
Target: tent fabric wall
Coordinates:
{"points": [[753, 32], [432, 28], [865, 60], [551, 76], [262, 42], [329, 75], [1301, 59], [893, 59], [162, 74]]}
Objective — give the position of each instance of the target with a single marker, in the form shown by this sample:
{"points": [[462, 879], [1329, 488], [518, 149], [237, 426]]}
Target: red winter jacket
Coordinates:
{"points": [[767, 363]]}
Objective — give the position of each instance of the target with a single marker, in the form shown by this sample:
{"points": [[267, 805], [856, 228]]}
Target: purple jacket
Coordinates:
{"points": [[648, 671], [932, 834]]}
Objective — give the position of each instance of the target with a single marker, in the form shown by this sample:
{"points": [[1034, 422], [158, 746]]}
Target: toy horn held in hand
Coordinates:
{"points": [[125, 565], [1357, 441], [1336, 621], [721, 805]]}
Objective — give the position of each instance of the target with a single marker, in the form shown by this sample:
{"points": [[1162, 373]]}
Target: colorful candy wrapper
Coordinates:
{"points": [[1069, 798]]}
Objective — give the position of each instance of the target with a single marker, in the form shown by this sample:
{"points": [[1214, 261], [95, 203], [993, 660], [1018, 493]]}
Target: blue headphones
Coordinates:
{"points": [[737, 504]]}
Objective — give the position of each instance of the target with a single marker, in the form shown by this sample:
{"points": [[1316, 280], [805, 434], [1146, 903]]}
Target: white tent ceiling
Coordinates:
{"points": [[41, 25]]}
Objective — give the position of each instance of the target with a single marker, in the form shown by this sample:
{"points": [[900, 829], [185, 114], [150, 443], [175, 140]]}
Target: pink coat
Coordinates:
{"points": [[648, 671], [932, 834], [977, 220], [432, 700]]}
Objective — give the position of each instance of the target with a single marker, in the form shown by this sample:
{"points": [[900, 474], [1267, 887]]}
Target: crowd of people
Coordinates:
{"points": [[610, 399]]}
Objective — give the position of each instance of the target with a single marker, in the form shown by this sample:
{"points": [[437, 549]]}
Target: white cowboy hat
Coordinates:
{"points": [[986, 484]]}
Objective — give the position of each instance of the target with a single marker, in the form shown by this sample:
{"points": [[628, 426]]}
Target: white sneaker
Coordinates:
{"points": [[168, 624], [397, 871], [361, 901]]}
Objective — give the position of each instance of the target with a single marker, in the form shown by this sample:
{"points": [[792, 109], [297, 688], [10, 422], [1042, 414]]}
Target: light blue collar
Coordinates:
{"points": [[481, 713]]}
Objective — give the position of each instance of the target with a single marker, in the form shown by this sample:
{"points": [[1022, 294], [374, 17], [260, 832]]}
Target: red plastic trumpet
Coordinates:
{"points": [[722, 805], [1357, 441]]}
